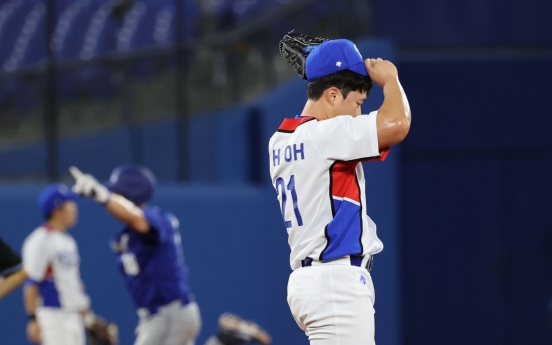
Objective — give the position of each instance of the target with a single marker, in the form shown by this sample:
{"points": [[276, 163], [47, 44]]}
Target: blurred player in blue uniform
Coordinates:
{"points": [[149, 255]]}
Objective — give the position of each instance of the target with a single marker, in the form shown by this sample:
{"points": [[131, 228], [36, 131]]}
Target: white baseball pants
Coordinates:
{"points": [[60, 327], [173, 324], [333, 303]]}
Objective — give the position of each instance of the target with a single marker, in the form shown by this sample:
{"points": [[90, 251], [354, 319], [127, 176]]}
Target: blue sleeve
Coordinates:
{"points": [[161, 228]]}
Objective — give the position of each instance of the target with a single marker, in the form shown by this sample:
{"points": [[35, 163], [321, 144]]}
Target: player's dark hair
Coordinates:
{"points": [[345, 80]]}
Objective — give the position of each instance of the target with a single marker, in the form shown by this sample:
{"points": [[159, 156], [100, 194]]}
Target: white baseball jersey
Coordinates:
{"points": [[51, 257], [316, 171]]}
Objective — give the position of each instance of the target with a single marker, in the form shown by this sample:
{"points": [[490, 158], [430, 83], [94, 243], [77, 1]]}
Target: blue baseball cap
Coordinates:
{"points": [[334, 56], [53, 196]]}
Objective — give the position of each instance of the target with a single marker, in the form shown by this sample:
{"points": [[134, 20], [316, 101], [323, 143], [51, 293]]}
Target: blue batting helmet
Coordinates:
{"points": [[136, 183]]}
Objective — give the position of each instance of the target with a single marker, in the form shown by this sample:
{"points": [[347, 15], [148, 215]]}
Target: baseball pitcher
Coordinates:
{"points": [[315, 169]]}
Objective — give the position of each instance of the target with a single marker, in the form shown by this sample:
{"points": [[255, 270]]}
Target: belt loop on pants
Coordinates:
{"points": [[355, 260], [306, 263]]}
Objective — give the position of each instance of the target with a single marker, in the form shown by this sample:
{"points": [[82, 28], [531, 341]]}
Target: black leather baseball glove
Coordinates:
{"points": [[295, 48]]}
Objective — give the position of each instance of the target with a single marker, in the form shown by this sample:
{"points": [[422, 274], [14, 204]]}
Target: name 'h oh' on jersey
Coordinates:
{"points": [[316, 171]]}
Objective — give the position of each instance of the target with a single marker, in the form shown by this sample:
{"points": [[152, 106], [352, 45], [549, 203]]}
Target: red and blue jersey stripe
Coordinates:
{"points": [[290, 125], [344, 232]]}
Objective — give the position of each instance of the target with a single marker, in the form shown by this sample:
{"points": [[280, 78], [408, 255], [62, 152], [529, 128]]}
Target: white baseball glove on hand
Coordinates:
{"points": [[88, 186]]}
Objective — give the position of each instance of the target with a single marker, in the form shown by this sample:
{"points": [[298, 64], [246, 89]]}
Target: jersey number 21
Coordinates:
{"points": [[281, 187]]}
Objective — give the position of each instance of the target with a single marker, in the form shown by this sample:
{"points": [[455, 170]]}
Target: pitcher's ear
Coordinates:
{"points": [[331, 94]]}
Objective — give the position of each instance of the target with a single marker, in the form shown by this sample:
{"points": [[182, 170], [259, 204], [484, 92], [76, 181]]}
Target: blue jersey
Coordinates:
{"points": [[152, 264]]}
